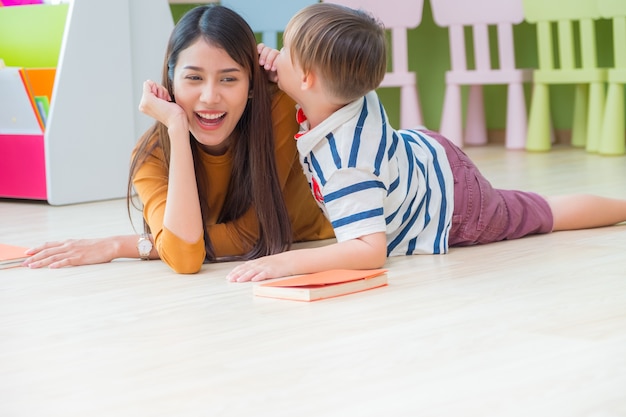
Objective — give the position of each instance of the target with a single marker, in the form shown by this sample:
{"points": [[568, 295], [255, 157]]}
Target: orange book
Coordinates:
{"points": [[11, 256], [31, 97], [332, 283], [41, 81]]}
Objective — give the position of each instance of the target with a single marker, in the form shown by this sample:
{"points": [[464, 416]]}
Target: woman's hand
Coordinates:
{"points": [[267, 56], [157, 103], [73, 252]]}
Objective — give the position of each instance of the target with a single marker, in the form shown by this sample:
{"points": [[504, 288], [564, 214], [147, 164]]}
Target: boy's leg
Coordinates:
{"points": [[483, 214], [585, 211]]}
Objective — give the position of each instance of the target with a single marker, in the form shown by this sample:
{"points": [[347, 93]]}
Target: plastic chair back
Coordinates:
{"points": [[612, 139], [566, 16], [398, 16], [479, 15], [268, 17]]}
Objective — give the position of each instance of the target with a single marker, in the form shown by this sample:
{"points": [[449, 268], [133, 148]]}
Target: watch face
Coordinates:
{"points": [[144, 246]]}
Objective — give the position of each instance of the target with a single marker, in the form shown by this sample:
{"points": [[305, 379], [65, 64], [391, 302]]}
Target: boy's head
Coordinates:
{"points": [[346, 48]]}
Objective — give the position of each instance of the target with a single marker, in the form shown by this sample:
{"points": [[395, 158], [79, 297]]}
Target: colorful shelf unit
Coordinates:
{"points": [[101, 52]]}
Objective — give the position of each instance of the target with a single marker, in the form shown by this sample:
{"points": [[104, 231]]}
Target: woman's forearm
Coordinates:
{"points": [[182, 209], [74, 252]]}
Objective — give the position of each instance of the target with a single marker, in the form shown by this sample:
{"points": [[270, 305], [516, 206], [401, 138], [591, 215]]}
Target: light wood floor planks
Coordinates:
{"points": [[533, 327]]}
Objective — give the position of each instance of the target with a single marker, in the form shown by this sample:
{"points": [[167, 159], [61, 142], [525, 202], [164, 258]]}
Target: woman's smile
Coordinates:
{"points": [[210, 120]]}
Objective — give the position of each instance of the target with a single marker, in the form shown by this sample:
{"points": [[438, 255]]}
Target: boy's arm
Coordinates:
{"points": [[366, 252]]}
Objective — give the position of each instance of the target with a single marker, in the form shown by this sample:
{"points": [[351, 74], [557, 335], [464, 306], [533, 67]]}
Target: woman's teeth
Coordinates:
{"points": [[211, 117]]}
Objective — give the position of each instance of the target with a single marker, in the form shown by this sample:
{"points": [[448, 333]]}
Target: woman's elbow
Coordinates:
{"points": [[186, 267]]}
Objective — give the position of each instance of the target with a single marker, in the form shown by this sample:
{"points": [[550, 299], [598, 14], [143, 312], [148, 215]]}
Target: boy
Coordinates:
{"points": [[389, 192]]}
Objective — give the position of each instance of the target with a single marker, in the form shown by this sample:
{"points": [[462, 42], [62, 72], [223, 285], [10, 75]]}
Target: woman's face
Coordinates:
{"points": [[213, 91]]}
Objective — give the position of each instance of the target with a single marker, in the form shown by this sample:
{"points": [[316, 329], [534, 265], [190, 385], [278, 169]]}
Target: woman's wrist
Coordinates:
{"points": [[124, 246], [178, 125]]}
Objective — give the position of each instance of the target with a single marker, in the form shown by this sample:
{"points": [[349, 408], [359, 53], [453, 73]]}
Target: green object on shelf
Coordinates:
{"points": [[36, 33]]}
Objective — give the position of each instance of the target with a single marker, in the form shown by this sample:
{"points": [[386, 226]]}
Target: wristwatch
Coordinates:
{"points": [[144, 246]]}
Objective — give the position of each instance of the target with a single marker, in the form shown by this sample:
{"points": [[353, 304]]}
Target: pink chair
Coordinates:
{"points": [[479, 14], [398, 16]]}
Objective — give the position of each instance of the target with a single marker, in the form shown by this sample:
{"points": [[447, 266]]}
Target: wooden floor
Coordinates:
{"points": [[534, 327]]}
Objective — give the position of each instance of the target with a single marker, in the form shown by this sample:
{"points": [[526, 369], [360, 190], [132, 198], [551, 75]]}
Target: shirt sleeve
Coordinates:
{"points": [[354, 199], [150, 183]]}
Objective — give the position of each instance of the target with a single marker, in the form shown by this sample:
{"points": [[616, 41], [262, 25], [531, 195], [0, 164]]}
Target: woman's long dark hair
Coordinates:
{"points": [[254, 179]]}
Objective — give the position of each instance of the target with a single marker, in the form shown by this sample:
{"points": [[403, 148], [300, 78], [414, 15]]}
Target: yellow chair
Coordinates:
{"points": [[588, 78], [612, 140]]}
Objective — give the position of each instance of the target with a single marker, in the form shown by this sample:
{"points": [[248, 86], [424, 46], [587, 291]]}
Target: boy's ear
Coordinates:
{"points": [[307, 81]]}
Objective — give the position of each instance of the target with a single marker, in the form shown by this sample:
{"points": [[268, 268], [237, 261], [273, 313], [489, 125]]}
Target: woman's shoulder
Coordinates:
{"points": [[283, 118], [282, 102]]}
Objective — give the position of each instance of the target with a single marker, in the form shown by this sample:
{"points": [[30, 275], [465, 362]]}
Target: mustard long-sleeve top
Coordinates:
{"points": [[236, 237]]}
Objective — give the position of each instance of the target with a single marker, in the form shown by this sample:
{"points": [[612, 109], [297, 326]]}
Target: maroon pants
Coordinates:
{"points": [[484, 214]]}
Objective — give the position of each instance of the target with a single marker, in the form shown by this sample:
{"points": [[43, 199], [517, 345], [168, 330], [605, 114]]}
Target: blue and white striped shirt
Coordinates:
{"points": [[368, 178]]}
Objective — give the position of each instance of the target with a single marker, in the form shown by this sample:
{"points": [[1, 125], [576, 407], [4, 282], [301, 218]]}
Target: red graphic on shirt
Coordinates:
{"points": [[317, 192], [301, 118]]}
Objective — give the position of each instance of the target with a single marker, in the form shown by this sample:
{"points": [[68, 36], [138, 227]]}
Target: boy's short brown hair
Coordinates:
{"points": [[346, 47]]}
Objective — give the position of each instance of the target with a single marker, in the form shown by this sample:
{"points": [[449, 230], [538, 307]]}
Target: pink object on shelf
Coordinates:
{"points": [[398, 16], [479, 14], [19, 2], [22, 167]]}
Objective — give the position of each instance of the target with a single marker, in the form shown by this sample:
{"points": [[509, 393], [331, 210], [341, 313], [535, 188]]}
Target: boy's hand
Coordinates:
{"points": [[365, 252], [267, 56], [259, 269]]}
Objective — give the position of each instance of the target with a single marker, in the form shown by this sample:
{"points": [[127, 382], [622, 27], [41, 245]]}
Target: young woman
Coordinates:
{"points": [[218, 174]]}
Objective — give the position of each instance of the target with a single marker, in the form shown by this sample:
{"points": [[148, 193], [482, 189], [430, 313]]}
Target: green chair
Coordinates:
{"points": [[585, 75], [612, 140]]}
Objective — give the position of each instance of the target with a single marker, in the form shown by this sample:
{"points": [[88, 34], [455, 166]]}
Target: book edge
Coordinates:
{"points": [[313, 279], [10, 253], [324, 292]]}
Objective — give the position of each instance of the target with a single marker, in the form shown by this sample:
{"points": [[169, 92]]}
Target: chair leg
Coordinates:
{"points": [[516, 120], [475, 126], [410, 109], [451, 125], [579, 120], [612, 140], [538, 136], [596, 111]]}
